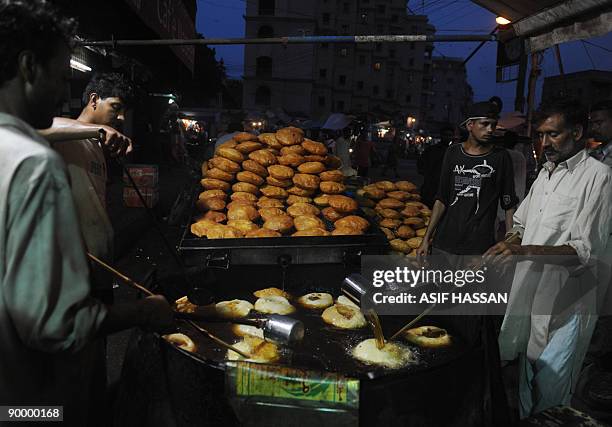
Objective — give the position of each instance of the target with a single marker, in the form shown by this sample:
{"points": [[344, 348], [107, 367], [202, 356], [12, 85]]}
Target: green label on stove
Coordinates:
{"points": [[251, 380]]}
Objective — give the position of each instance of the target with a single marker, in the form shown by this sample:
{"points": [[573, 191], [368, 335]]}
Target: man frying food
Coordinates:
{"points": [[552, 309]]}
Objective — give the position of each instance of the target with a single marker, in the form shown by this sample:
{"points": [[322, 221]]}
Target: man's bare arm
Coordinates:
{"points": [[65, 130], [438, 210]]}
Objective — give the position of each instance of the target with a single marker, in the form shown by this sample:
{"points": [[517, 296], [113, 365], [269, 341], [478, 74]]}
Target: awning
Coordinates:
{"points": [[545, 23]]}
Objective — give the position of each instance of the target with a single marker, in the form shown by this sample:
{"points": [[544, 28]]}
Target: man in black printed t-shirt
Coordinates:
{"points": [[475, 177]]}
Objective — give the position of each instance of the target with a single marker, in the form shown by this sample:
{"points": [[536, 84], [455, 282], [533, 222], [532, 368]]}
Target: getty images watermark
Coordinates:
{"points": [[464, 285]]}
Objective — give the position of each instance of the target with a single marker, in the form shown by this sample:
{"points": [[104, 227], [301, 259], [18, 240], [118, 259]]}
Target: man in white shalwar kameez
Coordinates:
{"points": [[553, 308]]}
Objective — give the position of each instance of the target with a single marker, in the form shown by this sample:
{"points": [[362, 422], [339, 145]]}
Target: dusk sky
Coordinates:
{"points": [[224, 18]]}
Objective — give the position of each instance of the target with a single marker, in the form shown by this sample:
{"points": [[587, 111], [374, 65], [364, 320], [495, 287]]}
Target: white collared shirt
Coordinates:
{"points": [[568, 204]]}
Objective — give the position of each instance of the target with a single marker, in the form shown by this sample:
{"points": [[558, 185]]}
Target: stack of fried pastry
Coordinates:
{"points": [[400, 214], [272, 185]]}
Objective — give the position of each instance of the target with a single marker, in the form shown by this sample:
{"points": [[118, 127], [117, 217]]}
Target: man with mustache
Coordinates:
{"points": [[563, 227], [475, 177]]}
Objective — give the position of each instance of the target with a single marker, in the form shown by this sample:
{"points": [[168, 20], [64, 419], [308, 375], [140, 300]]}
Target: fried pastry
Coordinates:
{"points": [[274, 192], [267, 202], [256, 168], [314, 147], [306, 181], [311, 232], [262, 232], [217, 173], [291, 159], [245, 187], [248, 147], [390, 203], [267, 213], [219, 194], [290, 135], [280, 172], [263, 157], [405, 232], [297, 191], [281, 223], [244, 212], [389, 213], [342, 204], [214, 184], [230, 153], [331, 215], [242, 195], [352, 221], [250, 177], [224, 164], [333, 175], [332, 187], [293, 149], [270, 140], [311, 167], [305, 222], [299, 209]]}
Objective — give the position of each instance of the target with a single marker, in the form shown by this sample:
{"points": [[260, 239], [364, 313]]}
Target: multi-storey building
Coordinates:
{"points": [[314, 80], [452, 95]]}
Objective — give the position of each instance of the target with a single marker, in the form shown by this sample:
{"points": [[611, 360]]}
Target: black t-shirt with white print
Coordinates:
{"points": [[471, 186]]}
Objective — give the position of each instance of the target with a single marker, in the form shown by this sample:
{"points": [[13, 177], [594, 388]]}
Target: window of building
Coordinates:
{"points": [[411, 62], [364, 17], [321, 101], [263, 67], [411, 45], [266, 7], [360, 84], [378, 47], [379, 28], [408, 98], [375, 90], [391, 53], [324, 45], [323, 73], [263, 95], [414, 29], [345, 7], [389, 93], [448, 94], [394, 18], [450, 80], [345, 29], [359, 107], [362, 60], [265, 32], [380, 8], [326, 18], [342, 80], [377, 66], [344, 52], [340, 106]]}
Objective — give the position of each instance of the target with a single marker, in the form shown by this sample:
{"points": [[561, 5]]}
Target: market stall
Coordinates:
{"points": [[283, 244]]}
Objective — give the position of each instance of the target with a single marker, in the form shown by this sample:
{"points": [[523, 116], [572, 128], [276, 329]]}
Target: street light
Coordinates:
{"points": [[502, 21]]}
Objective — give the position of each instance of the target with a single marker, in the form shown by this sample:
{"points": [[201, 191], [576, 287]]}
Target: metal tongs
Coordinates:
{"points": [[281, 329], [144, 290]]}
